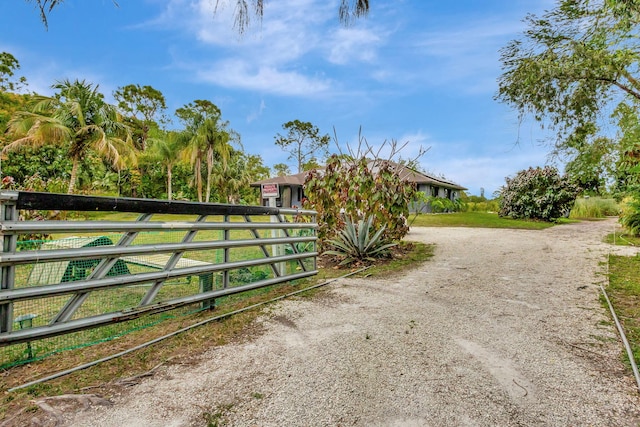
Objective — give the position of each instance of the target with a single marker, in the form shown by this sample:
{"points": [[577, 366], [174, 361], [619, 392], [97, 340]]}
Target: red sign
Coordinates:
{"points": [[270, 190]]}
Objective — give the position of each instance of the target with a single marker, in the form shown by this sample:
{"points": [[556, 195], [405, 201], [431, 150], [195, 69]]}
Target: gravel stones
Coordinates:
{"points": [[500, 327]]}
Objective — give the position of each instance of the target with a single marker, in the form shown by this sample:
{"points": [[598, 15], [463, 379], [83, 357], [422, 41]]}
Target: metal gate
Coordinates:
{"points": [[91, 273]]}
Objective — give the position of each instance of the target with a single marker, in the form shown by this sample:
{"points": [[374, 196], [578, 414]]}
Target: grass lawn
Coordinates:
{"points": [[622, 239], [624, 293], [477, 219]]}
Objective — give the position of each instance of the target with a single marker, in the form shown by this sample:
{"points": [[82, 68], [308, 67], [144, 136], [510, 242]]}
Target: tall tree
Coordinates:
{"points": [[256, 168], [9, 101], [281, 169], [192, 117], [303, 142], [574, 65], [571, 68], [165, 150], [627, 155], [230, 178], [145, 104], [8, 66], [209, 140], [76, 117]]}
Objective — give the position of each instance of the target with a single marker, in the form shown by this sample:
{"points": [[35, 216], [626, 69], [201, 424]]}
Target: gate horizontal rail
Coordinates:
{"points": [[157, 276]]}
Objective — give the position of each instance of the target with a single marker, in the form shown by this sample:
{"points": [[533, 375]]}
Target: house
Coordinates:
{"points": [[291, 187]]}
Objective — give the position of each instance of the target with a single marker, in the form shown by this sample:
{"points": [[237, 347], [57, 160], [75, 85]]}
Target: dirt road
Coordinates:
{"points": [[500, 328]]}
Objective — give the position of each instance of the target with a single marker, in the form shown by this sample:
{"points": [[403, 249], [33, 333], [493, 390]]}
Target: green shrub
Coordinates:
{"points": [[537, 193], [359, 242], [351, 188], [443, 204], [630, 215], [485, 206]]}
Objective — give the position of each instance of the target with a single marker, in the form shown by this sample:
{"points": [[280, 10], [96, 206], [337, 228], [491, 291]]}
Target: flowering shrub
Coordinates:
{"points": [[537, 193], [358, 188]]}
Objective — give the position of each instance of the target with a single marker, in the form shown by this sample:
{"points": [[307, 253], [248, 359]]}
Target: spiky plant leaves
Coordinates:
{"points": [[357, 242]]}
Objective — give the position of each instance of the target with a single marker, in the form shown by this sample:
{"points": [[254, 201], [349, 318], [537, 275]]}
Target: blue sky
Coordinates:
{"points": [[416, 71]]}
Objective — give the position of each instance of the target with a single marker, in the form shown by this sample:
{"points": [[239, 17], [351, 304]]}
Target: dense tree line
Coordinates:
{"points": [[75, 141]]}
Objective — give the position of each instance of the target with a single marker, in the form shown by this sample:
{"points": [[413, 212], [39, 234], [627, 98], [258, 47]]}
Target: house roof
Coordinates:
{"points": [[297, 179], [405, 172]]}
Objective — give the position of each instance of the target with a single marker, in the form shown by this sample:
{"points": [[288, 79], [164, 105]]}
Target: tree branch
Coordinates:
{"points": [[622, 86]]}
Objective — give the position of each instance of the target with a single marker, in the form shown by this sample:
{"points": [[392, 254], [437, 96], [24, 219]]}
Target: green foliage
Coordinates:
{"points": [[144, 106], [630, 215], [359, 242], [627, 163], [594, 207], [537, 193], [9, 104], [443, 204], [590, 164], [208, 141], [484, 206], [282, 169], [352, 188], [48, 161], [77, 118], [8, 66], [569, 63], [571, 67], [303, 141]]}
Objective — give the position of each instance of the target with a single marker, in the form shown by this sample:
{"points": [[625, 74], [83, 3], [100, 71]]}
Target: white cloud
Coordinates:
{"points": [[267, 57], [353, 44], [263, 78]]}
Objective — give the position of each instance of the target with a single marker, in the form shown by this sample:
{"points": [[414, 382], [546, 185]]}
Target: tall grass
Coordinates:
{"points": [[594, 207], [486, 206]]}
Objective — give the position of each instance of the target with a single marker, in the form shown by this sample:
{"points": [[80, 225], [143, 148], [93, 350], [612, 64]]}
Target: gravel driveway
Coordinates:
{"points": [[500, 328]]}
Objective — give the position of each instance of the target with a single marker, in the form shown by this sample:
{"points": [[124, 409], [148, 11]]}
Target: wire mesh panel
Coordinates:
{"points": [[91, 280]]}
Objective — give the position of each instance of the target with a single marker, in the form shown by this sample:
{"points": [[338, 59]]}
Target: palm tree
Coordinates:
{"points": [[208, 140], [194, 153], [76, 117], [215, 141], [348, 11], [166, 152], [230, 178]]}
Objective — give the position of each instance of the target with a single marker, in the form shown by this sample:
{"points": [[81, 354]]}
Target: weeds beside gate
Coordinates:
{"points": [[90, 280]]}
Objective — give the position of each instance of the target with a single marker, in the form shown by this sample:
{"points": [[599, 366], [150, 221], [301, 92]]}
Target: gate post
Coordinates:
{"points": [[8, 212]]}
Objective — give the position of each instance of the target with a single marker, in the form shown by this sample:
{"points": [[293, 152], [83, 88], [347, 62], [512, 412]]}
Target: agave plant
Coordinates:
{"points": [[358, 242]]}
